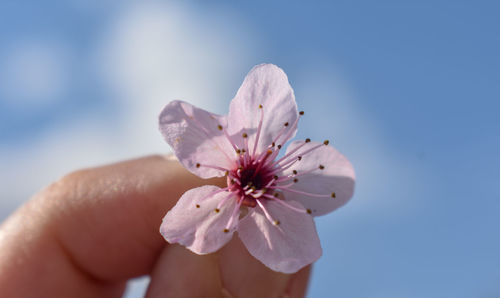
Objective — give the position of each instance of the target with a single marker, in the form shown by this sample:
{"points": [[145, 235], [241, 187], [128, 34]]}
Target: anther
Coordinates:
{"points": [[219, 127], [244, 135], [269, 151], [217, 210], [243, 151], [295, 180], [276, 194], [275, 177], [238, 151], [333, 195], [197, 206], [294, 172], [301, 113], [273, 144], [276, 222], [321, 167], [198, 165], [326, 142], [299, 157], [279, 146], [240, 168], [260, 106], [286, 123], [226, 231], [309, 211], [308, 140], [227, 173]]}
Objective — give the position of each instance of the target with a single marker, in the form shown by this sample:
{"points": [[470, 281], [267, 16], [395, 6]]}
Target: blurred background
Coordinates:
{"points": [[408, 91]]}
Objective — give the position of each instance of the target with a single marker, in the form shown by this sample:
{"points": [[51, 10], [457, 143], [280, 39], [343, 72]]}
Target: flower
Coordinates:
{"points": [[270, 199]]}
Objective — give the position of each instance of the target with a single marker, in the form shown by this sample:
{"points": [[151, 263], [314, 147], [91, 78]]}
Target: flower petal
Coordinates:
{"points": [[337, 176], [286, 247], [194, 222], [195, 136], [265, 85]]}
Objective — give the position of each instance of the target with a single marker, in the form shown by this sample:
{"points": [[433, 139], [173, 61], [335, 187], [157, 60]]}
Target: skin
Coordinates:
{"points": [[88, 233]]}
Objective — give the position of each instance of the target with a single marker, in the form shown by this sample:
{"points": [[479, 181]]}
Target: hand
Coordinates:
{"points": [[91, 231]]}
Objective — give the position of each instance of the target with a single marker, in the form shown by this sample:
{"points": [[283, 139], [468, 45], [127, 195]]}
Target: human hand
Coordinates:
{"points": [[91, 231]]}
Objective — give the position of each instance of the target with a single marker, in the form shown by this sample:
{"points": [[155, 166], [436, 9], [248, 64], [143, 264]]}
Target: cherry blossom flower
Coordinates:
{"points": [[270, 198]]}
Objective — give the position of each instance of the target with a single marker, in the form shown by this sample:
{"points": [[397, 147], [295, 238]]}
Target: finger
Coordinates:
{"points": [[180, 273], [94, 228], [297, 285], [244, 276]]}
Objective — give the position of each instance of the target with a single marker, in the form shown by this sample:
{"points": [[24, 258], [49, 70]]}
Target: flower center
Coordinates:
{"points": [[250, 182]]}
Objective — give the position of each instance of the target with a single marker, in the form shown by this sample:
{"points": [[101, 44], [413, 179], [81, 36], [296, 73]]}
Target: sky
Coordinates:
{"points": [[408, 91]]}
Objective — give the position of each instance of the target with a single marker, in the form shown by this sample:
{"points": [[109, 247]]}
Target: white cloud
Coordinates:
{"points": [[34, 73], [149, 55]]}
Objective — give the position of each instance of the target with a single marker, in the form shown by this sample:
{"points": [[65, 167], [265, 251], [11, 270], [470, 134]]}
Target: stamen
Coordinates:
{"points": [[262, 162], [303, 192], [223, 201], [282, 168], [282, 202], [321, 167], [233, 215], [289, 153], [230, 140], [212, 167], [290, 132], [268, 216], [258, 130], [290, 177]]}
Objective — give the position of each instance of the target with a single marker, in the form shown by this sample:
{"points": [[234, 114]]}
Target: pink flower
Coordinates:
{"points": [[270, 199]]}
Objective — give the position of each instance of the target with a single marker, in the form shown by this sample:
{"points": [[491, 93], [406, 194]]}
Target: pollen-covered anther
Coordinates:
{"points": [[286, 123], [321, 167], [226, 173], [308, 211], [238, 151], [279, 146], [269, 152], [276, 222], [197, 206], [260, 106], [299, 157], [301, 113], [295, 180], [326, 142], [198, 165], [308, 140], [217, 210], [226, 230], [244, 135], [273, 144], [333, 195], [294, 172], [219, 127]]}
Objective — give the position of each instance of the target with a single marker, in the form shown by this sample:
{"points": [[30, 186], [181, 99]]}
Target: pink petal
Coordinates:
{"points": [[265, 85], [337, 177], [195, 137], [286, 247], [200, 229]]}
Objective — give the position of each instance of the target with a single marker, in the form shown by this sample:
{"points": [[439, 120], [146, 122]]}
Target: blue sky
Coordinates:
{"points": [[408, 91]]}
